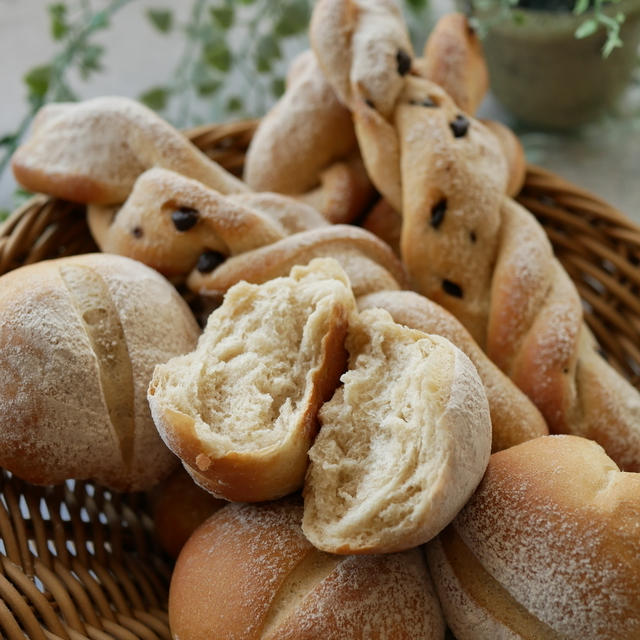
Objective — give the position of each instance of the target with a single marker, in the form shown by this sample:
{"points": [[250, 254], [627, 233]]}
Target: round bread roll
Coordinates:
{"points": [[248, 573], [241, 410], [79, 338], [403, 442], [547, 548]]}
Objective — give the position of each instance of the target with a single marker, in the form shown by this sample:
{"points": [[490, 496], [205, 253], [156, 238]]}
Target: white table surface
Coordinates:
{"points": [[605, 159]]}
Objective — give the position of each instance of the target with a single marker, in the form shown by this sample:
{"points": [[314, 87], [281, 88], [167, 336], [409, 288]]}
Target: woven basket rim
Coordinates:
{"points": [[598, 244]]}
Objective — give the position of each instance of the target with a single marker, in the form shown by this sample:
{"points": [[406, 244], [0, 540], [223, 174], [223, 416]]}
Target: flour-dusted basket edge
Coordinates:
{"points": [[80, 562]]}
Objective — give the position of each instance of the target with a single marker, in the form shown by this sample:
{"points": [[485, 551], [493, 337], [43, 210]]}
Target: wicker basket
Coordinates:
{"points": [[80, 562]]}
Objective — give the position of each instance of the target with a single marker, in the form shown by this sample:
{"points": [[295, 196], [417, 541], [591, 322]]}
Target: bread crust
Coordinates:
{"points": [[514, 417], [79, 338], [555, 524], [251, 470], [92, 152], [453, 58], [396, 457], [248, 573], [369, 263]]}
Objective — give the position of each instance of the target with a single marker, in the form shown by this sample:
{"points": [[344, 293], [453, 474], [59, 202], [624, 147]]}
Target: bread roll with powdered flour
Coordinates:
{"points": [[79, 338], [548, 548], [402, 445], [241, 410], [248, 573]]}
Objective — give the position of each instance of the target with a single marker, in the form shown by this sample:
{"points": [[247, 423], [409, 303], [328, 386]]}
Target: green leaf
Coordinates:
{"points": [[580, 7], [217, 55], [586, 29], [223, 15], [4, 214], [613, 42], [161, 19], [155, 98], [277, 87], [90, 60], [416, 5], [37, 80], [208, 87], [293, 19], [267, 50], [58, 16], [235, 103]]}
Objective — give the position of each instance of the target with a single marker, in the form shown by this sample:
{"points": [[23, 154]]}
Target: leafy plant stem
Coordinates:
{"points": [[75, 42]]}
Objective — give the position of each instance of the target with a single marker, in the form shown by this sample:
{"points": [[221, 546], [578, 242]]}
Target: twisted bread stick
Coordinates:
{"points": [[175, 224], [483, 257], [93, 152]]}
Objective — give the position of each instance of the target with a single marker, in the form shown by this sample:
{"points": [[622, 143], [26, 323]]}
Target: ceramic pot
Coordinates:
{"points": [[548, 78]]}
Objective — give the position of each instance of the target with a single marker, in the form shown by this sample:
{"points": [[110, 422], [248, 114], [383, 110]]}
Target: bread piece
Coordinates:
{"points": [[248, 573], [402, 445], [79, 338], [369, 263], [241, 410], [169, 221], [514, 418], [547, 548], [175, 224], [291, 148], [180, 506], [453, 58], [93, 151], [364, 50], [344, 193]]}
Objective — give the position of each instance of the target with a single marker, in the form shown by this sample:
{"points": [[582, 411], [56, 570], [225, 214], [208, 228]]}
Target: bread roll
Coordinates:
{"points": [[79, 338], [180, 506], [402, 445], [241, 410], [547, 548], [514, 418], [248, 573]]}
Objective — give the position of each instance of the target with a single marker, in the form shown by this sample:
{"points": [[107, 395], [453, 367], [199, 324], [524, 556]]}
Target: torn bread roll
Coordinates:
{"points": [[248, 573], [241, 410], [93, 151], [79, 338], [547, 548], [403, 442], [514, 418]]}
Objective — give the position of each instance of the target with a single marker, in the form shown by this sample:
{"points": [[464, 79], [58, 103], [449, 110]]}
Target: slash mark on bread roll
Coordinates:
{"points": [[101, 322], [482, 588], [311, 571]]}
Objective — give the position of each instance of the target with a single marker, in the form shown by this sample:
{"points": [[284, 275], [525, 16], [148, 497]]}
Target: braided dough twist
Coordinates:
{"points": [[479, 254]]}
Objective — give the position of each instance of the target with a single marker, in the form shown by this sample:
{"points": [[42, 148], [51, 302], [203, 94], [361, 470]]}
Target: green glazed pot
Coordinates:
{"points": [[546, 77]]}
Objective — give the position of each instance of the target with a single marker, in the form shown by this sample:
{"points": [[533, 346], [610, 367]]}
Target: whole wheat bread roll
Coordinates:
{"points": [[402, 444], [79, 338], [547, 548], [241, 410], [248, 573]]}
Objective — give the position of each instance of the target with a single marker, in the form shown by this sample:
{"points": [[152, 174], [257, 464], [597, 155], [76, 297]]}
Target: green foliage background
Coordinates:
{"points": [[232, 63]]}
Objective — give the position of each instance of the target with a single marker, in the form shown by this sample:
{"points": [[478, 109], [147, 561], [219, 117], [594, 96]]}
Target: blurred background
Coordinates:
{"points": [[199, 61]]}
